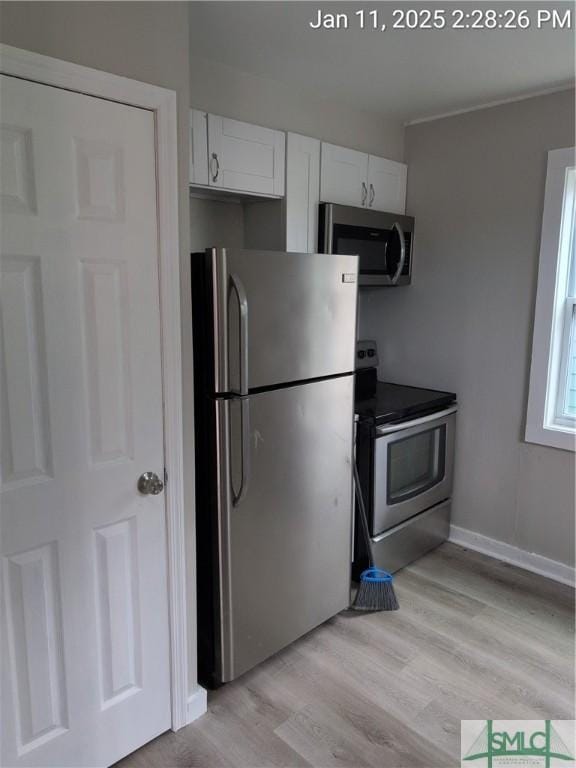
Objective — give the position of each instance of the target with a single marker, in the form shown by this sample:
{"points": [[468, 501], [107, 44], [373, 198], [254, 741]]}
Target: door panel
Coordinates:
{"points": [[26, 446], [301, 315], [245, 157], [286, 547], [387, 185], [343, 176], [119, 628], [86, 672], [33, 593]]}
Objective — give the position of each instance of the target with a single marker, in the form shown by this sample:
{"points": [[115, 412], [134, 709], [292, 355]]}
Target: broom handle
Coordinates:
{"points": [[363, 517]]}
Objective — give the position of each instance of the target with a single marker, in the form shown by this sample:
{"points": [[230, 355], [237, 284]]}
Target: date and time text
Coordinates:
{"points": [[457, 18]]}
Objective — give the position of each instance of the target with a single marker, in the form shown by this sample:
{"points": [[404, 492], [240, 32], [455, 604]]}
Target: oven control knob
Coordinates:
{"points": [[361, 354]]}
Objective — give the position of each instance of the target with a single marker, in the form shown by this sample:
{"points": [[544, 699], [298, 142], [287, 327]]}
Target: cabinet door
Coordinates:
{"points": [[302, 193], [386, 185], [198, 147], [343, 176], [244, 157]]}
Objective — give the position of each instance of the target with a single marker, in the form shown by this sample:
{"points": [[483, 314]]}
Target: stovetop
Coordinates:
{"points": [[383, 402]]}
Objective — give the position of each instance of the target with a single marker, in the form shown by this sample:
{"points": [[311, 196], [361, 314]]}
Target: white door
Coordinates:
{"points": [[302, 193], [85, 669], [343, 176], [386, 185], [245, 157]]}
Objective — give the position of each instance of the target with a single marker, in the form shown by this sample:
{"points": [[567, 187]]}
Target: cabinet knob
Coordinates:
{"points": [[364, 193], [372, 195]]}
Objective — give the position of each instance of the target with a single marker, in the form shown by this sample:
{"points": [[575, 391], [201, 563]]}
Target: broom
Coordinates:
{"points": [[376, 590]]}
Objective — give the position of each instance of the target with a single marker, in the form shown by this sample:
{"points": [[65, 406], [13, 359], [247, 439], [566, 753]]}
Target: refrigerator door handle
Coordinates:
{"points": [[220, 319], [236, 284], [245, 451]]}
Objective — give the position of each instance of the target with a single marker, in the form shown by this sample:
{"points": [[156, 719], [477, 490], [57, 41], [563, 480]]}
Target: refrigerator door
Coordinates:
{"points": [[285, 517], [281, 317]]}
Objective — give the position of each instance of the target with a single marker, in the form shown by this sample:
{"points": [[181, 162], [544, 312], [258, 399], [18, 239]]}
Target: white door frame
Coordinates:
{"points": [[162, 102]]}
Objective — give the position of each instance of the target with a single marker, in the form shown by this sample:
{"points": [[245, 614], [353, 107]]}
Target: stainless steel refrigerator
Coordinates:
{"points": [[274, 344]]}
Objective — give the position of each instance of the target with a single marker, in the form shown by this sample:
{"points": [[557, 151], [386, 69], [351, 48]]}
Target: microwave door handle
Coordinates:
{"points": [[416, 422], [236, 285], [386, 257], [398, 272]]}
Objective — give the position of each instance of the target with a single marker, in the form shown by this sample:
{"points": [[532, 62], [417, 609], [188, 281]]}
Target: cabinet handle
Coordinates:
{"points": [[215, 158], [372, 195], [364, 193]]}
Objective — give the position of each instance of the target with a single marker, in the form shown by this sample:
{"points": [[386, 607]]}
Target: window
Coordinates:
{"points": [[565, 411], [551, 418]]}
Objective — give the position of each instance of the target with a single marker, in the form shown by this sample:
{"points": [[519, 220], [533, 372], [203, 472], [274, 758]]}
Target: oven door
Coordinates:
{"points": [[413, 467]]}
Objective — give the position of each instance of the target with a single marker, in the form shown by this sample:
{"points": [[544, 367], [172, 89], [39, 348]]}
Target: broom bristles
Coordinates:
{"points": [[375, 596]]}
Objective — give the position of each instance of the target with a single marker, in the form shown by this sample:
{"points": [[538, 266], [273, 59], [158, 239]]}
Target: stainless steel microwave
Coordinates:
{"points": [[383, 241]]}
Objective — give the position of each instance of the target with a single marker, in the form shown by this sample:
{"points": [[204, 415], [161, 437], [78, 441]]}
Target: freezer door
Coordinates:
{"points": [[282, 317], [285, 516]]}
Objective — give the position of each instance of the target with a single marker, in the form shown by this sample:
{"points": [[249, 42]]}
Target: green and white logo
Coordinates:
{"points": [[518, 743]]}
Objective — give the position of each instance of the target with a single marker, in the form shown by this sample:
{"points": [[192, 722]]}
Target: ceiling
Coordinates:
{"points": [[403, 74]]}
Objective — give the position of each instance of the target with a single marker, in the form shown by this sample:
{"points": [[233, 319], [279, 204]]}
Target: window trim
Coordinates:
{"points": [[542, 425]]}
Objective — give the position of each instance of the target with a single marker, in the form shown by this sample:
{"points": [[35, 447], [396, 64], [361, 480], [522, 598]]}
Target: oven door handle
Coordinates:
{"points": [[415, 422]]}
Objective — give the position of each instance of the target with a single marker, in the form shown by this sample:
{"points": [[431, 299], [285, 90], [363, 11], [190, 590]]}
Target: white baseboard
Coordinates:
{"points": [[197, 705], [530, 561]]}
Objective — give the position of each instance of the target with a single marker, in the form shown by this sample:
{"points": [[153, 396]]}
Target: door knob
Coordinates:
{"points": [[150, 483]]}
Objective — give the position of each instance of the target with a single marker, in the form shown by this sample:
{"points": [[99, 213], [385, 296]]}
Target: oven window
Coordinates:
{"points": [[416, 464]]}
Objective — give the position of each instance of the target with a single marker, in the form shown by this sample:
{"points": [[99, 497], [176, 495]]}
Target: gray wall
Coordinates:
{"points": [[215, 222], [146, 41], [225, 91], [476, 188]]}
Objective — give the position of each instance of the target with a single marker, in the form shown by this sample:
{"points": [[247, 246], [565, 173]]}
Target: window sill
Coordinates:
{"points": [[554, 437]]}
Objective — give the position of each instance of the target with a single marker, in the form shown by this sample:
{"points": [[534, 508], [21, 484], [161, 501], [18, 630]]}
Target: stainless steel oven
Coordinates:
{"points": [[383, 241], [413, 467], [405, 444]]}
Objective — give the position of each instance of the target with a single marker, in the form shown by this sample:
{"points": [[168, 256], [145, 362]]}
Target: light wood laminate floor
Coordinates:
{"points": [[473, 639]]}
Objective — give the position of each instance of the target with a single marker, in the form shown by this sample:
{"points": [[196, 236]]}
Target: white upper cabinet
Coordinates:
{"points": [[386, 185], [198, 147], [302, 193], [349, 177], [343, 175], [245, 158]]}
